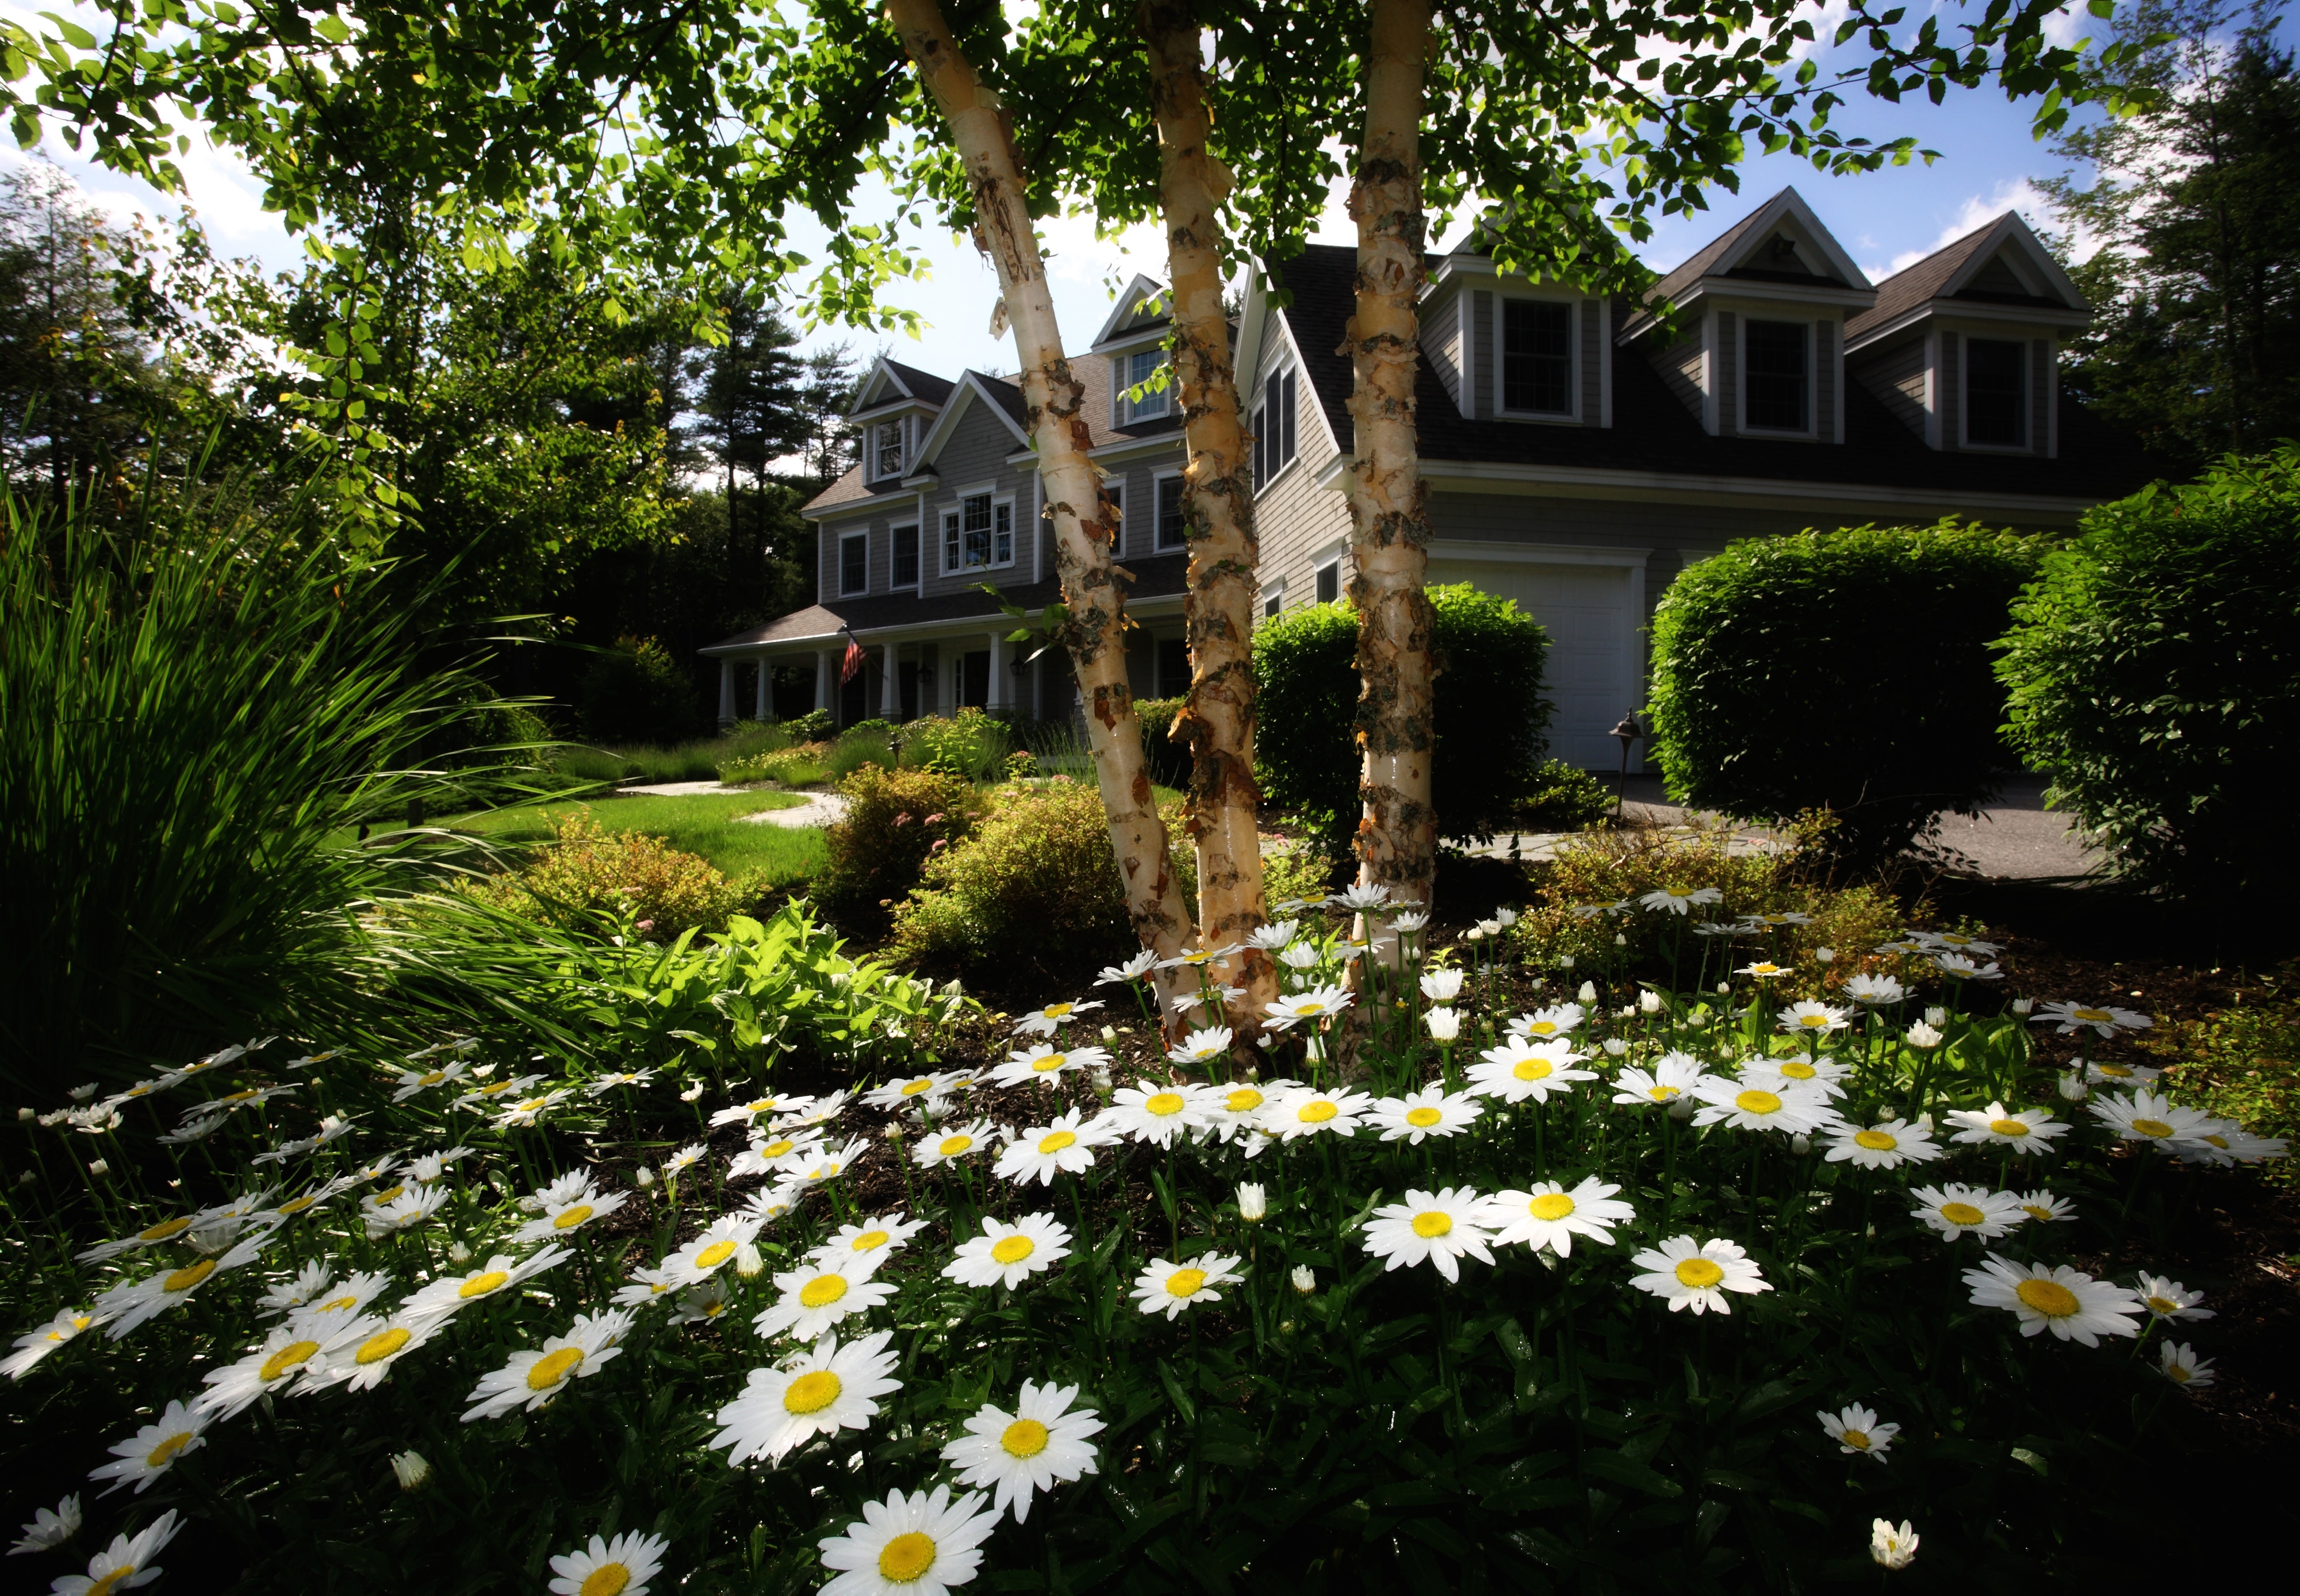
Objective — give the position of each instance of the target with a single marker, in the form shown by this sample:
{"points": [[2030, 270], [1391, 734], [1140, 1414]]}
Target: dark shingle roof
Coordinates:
{"points": [[1906, 289], [1653, 431], [1159, 576], [923, 385]]}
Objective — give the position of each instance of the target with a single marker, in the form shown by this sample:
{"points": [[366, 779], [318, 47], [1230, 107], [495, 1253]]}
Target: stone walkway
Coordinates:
{"points": [[815, 809]]}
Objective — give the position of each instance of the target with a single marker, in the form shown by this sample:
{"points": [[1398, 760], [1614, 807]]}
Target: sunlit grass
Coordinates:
{"points": [[710, 823]]}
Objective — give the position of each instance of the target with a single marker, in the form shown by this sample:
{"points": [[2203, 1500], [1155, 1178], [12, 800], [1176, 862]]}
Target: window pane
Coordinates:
{"points": [[1170, 512], [950, 540], [1174, 667], [890, 449], [1002, 550], [1286, 411], [1538, 356], [977, 551], [906, 556], [1329, 584], [1774, 384], [1261, 446], [853, 564], [1996, 372], [1140, 369]]}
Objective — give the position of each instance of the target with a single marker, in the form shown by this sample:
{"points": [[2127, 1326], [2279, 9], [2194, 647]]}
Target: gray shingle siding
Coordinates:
{"points": [[1481, 329], [1728, 355], [1952, 393], [1594, 345], [2043, 378], [1896, 377], [1824, 381]]}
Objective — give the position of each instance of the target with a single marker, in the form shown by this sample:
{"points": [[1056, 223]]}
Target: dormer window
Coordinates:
{"points": [[887, 449], [1997, 393], [1536, 357], [1135, 369], [1777, 379]]}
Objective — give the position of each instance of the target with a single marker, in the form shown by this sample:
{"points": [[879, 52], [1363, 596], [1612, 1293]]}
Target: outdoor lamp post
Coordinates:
{"points": [[1629, 731]]}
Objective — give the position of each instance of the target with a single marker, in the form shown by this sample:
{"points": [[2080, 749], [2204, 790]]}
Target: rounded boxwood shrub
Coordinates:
{"points": [[1489, 711], [2155, 674], [1848, 671], [896, 822]]}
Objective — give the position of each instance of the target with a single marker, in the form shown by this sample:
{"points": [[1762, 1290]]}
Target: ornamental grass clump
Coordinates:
{"points": [[1664, 1288]]}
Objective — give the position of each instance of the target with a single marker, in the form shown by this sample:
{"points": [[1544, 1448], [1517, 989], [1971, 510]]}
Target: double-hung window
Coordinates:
{"points": [[1170, 533], [1274, 428], [1995, 393], [979, 533], [887, 450], [1136, 370], [1776, 385], [906, 557], [853, 564], [1536, 357]]}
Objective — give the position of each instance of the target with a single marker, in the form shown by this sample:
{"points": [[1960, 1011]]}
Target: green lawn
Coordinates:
{"points": [[705, 823]]}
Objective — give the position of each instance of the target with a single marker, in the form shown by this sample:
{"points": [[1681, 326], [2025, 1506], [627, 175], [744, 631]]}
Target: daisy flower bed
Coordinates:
{"points": [[1414, 1284]]}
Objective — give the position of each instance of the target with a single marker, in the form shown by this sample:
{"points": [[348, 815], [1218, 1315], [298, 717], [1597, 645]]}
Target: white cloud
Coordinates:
{"points": [[1977, 211]]}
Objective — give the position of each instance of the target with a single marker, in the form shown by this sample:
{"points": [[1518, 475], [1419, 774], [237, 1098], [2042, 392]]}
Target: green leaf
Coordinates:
{"points": [[1615, 1469]]}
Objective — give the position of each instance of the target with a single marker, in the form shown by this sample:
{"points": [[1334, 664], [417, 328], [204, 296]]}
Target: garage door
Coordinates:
{"points": [[1592, 647]]}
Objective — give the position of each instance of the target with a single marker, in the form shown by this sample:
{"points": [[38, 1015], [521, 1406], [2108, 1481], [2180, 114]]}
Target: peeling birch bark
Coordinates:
{"points": [[1389, 525], [1094, 634], [1218, 492]]}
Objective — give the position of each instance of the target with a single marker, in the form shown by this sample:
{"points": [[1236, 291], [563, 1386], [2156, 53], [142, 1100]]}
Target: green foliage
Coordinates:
{"points": [[1489, 714], [1847, 671], [969, 744], [191, 713], [865, 742], [1168, 757], [816, 726], [1564, 798], [635, 692], [896, 822], [2155, 674], [1296, 872], [588, 872], [701, 759], [720, 826], [2243, 1062], [1032, 889]]}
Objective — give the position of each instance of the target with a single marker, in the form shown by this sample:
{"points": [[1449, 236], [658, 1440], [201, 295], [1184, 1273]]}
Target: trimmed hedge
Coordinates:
{"points": [[1847, 671], [2154, 672], [1490, 712]]}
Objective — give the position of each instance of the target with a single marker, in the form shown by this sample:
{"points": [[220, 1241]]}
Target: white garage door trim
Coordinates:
{"points": [[1631, 563]]}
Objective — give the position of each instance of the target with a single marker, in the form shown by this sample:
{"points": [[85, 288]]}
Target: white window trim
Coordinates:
{"points": [[1810, 429], [1275, 592], [864, 536], [1157, 479], [919, 586], [956, 505], [1566, 418], [1964, 400], [1122, 412], [1319, 568], [1281, 368], [901, 425]]}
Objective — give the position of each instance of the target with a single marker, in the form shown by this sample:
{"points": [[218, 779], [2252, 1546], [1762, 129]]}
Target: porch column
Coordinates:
{"points": [[890, 686], [766, 708], [826, 676], [726, 690], [1001, 695]]}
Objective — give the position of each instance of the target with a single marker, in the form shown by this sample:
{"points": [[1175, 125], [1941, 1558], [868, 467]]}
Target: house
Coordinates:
{"points": [[1580, 452]]}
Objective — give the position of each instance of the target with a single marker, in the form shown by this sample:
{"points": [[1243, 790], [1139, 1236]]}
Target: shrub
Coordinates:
{"points": [[1845, 671], [1168, 757], [635, 693], [816, 726], [1294, 872], [589, 872], [865, 742], [795, 766], [1033, 890], [1489, 713], [1562, 798], [969, 744], [896, 822], [2154, 673]]}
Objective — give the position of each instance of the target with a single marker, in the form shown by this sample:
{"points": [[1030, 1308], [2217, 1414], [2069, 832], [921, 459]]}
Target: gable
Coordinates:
{"points": [[1141, 310], [972, 436]]}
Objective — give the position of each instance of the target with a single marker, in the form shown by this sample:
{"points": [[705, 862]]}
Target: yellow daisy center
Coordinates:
{"points": [[1874, 1140], [344, 1304], [608, 1579], [1799, 1072], [105, 1586], [1184, 1283], [1961, 1213], [1013, 1249], [1542, 1028], [1164, 1104], [237, 1096], [871, 1241], [1310, 1008], [1245, 1100], [1757, 1102], [164, 1230], [912, 1088], [1056, 1140], [568, 1218], [1318, 1112], [375, 1349], [2163, 1307], [530, 1106], [380, 1198], [297, 1205], [2009, 1127], [822, 1291], [715, 1254], [1430, 1226], [163, 1454], [183, 1279], [906, 1559], [1534, 1070], [288, 1356], [2037, 1210], [2180, 1372], [1857, 1439], [2153, 1127], [952, 1146], [1046, 1062], [2218, 1141], [811, 1392], [1661, 1094], [2048, 1297], [775, 1149], [431, 1077], [1024, 1438], [1550, 1205], [553, 1368], [1422, 1117], [2119, 1070], [1699, 1274], [479, 1285], [2093, 1016], [1812, 1019], [1056, 1010]]}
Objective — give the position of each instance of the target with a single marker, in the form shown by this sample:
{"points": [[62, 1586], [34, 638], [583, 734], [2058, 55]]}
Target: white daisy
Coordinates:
{"points": [[125, 1563], [287, 1354], [1044, 1061], [778, 1153], [1307, 1111], [1824, 1075], [937, 1148], [1957, 967], [748, 1110], [2169, 1300], [1519, 1069], [2182, 1367], [565, 1218], [1442, 986], [360, 1353], [1007, 1254], [1764, 970], [405, 1211], [1553, 1023], [1044, 1441], [501, 1275], [829, 1163], [906, 1089], [618, 1567], [2031, 1130], [874, 1240], [433, 1166], [1955, 1211], [2073, 1305], [1800, 1111], [129, 1305], [720, 1241], [1439, 1228], [700, 1304], [529, 1110], [480, 1099], [648, 1285], [1696, 1276], [1886, 1145], [2107, 1072], [1133, 969], [1875, 989], [2045, 1208], [1238, 1107], [149, 1453], [40, 1340], [1432, 1111], [2105, 1020], [620, 1077], [1547, 1215], [1043, 1022], [412, 1082], [1680, 900], [1168, 1288], [1306, 1007], [1672, 1077], [684, 1160], [1203, 1046], [1856, 1431], [820, 1296], [916, 1545], [531, 1379], [1812, 1019], [47, 1531], [1065, 1146], [336, 1303], [819, 1392], [2149, 1117], [1156, 1114], [311, 1197]]}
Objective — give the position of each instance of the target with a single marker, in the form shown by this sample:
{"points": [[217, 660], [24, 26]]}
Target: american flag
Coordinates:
{"points": [[851, 666]]}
